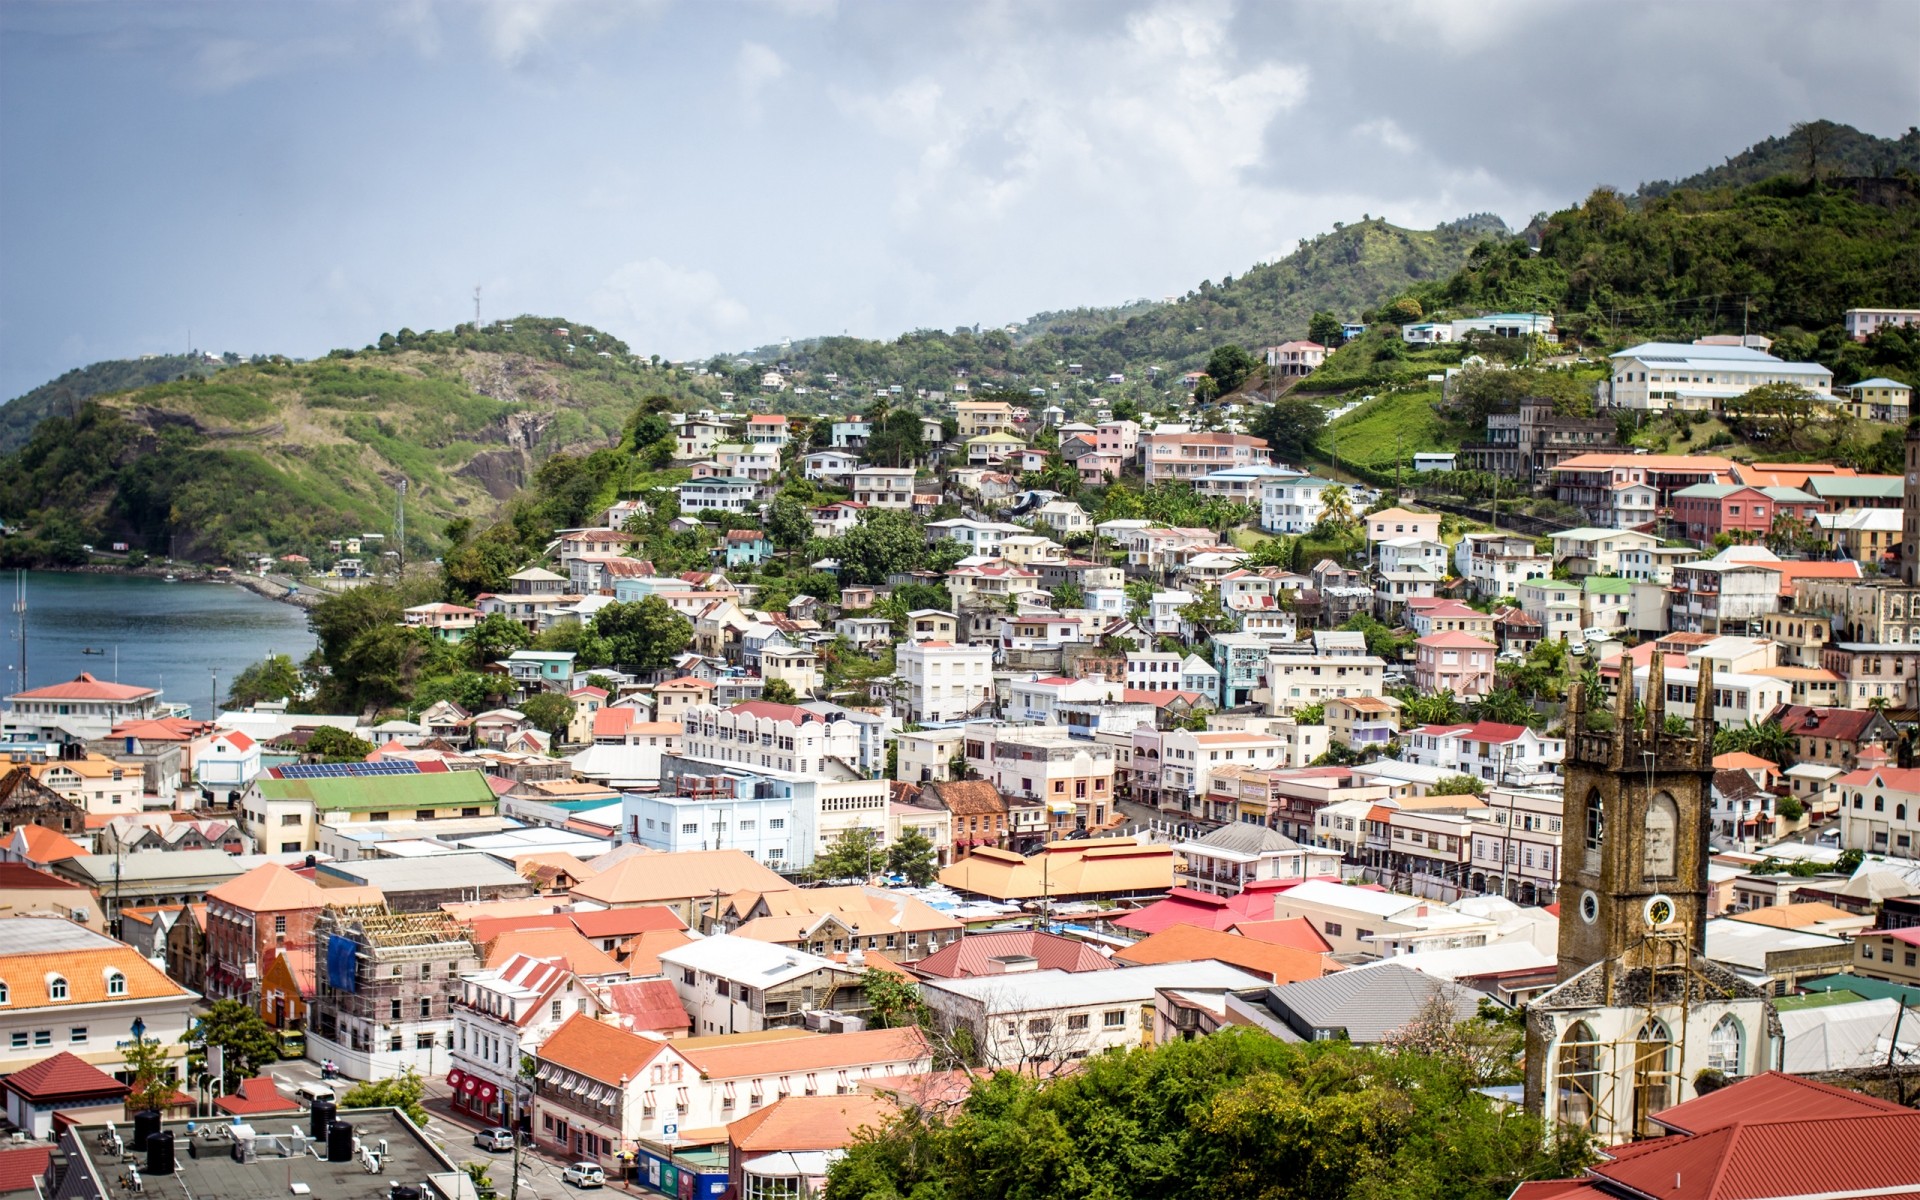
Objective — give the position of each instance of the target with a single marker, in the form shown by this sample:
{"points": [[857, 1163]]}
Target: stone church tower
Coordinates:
{"points": [[1640, 1013]]}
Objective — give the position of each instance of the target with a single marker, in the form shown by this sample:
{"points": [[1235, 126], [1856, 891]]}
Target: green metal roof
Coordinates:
{"points": [[1608, 585], [1872, 989], [441, 789], [1885, 486], [1818, 1000]]}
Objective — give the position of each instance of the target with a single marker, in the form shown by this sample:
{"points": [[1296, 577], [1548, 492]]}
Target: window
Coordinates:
{"points": [[1333, 928], [56, 988], [1114, 1018], [3, 994], [20, 1041], [1077, 1021], [556, 1010], [393, 1010], [116, 984], [1578, 1077], [78, 1034], [423, 1041], [43, 1037], [426, 1007], [1723, 1046]]}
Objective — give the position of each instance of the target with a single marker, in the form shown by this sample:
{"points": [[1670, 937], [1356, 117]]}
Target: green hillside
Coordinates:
{"points": [[1151, 344], [63, 397], [281, 456], [1821, 148]]}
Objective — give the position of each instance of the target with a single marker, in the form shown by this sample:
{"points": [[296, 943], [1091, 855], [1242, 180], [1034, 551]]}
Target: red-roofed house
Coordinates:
{"points": [[1879, 806], [39, 845], [62, 1081], [1769, 1137], [502, 1013], [648, 1006], [256, 1097], [1185, 906], [1008, 952], [252, 918], [1487, 750], [83, 709], [23, 1170]]}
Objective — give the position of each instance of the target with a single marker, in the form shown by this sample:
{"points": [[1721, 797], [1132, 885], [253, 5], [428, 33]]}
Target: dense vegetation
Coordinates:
{"points": [[1237, 1114], [281, 456], [1821, 148], [63, 397], [1351, 268]]}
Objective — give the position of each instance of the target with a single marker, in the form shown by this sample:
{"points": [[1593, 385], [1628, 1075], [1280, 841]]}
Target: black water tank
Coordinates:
{"points": [[160, 1153], [401, 1191], [320, 1119], [340, 1142], [145, 1125]]}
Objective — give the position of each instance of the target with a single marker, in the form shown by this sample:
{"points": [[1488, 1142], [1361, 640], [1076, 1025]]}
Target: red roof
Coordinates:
{"points": [[626, 922], [19, 1169], [257, 1095], [972, 955], [649, 1004], [85, 687], [767, 710], [1457, 639], [1184, 906], [21, 875], [1790, 1155], [1766, 1095], [1297, 932], [1492, 732], [613, 722], [63, 1077]]}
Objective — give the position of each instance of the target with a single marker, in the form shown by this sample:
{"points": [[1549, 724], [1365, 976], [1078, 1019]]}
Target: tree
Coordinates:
{"points": [[1324, 328], [884, 542], [550, 712], [1764, 739], [1404, 311], [646, 633], [1228, 366], [274, 677], [1505, 705], [402, 1091], [1790, 809], [1121, 503], [896, 1001], [912, 855], [1068, 595], [152, 1084], [1291, 426], [494, 637], [1206, 614], [779, 691], [1336, 509], [851, 856], [789, 524], [244, 1038], [1458, 785], [329, 743], [1312, 714], [1849, 861]]}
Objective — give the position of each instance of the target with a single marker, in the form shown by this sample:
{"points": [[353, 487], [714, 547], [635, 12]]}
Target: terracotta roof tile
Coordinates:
{"points": [[270, 887], [63, 1077], [649, 1004], [582, 956], [826, 1052], [809, 1123], [972, 955], [1190, 943], [598, 1050]]}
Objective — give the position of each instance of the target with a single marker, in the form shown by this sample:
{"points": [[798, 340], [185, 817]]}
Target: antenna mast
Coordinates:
{"points": [[20, 621], [476, 308], [400, 522]]}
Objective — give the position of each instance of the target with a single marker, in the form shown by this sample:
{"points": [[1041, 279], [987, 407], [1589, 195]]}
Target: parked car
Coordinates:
{"points": [[584, 1174], [494, 1139]]}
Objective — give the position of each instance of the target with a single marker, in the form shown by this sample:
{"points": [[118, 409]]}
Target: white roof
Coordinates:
{"points": [[1679, 354], [1472, 960], [761, 964], [1837, 1037], [1340, 895], [1402, 772], [1055, 988], [1746, 944]]}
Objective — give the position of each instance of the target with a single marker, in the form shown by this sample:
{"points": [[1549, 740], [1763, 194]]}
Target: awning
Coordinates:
{"points": [[455, 1076]]}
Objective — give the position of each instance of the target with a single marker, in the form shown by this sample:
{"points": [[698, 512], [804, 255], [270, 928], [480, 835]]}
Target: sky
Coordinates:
{"points": [[704, 177]]}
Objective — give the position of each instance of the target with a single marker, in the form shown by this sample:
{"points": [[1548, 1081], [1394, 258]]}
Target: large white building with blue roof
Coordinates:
{"points": [[1657, 376]]}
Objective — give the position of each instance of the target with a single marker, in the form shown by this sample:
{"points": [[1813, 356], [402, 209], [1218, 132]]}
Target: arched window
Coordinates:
{"points": [[1652, 1075], [5, 996], [56, 988], [1663, 822], [1724, 1045], [1899, 812], [116, 983], [1578, 1077], [1596, 828]]}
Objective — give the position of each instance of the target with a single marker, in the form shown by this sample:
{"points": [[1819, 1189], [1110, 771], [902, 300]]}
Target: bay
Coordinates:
{"points": [[186, 639]]}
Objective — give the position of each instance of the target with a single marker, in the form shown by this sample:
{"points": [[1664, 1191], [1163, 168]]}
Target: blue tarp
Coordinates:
{"points": [[341, 963]]}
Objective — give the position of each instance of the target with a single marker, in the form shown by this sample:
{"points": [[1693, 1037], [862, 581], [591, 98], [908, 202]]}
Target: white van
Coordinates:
{"points": [[308, 1093]]}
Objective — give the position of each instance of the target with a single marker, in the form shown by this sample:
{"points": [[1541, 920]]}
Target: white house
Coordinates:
{"points": [[941, 681], [884, 487], [1487, 750], [1291, 505], [1656, 376], [717, 493]]}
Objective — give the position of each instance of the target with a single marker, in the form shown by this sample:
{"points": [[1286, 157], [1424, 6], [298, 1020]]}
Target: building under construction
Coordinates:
{"points": [[383, 986]]}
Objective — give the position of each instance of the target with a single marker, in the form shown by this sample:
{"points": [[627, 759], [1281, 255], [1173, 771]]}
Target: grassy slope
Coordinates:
{"points": [[282, 455], [63, 397]]}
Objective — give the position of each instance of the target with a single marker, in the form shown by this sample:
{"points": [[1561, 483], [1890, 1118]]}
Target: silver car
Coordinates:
{"points": [[494, 1139], [584, 1174]]}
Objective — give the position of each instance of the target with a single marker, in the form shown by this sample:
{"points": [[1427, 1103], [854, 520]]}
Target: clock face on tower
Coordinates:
{"points": [[1589, 907], [1659, 912]]}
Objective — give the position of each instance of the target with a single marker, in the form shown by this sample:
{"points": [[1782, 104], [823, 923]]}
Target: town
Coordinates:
{"points": [[866, 758]]}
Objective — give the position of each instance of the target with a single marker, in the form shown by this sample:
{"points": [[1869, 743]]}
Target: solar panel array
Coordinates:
{"points": [[345, 770]]}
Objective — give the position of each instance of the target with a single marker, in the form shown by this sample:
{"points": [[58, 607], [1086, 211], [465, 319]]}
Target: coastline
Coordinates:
{"points": [[259, 585]]}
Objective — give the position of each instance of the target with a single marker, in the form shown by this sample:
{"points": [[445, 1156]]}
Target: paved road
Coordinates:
{"points": [[453, 1133]]}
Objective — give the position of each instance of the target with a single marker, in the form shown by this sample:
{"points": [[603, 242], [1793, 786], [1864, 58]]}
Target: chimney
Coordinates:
{"points": [[1012, 964]]}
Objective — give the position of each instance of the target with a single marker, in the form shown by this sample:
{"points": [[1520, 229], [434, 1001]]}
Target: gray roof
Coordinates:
{"points": [[1366, 1005], [149, 865], [427, 873], [1243, 837]]}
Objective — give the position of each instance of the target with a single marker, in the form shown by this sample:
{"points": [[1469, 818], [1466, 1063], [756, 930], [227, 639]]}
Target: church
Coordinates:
{"points": [[1640, 1018]]}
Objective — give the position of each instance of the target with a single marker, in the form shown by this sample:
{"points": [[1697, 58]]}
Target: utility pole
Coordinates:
{"points": [[400, 521], [476, 308], [20, 621]]}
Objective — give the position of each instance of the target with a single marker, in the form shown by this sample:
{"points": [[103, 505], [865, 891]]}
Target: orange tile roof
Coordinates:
{"points": [[656, 878], [641, 952], [1650, 462], [827, 1052], [1297, 932], [1740, 760], [598, 1050], [1191, 943], [45, 845], [85, 971], [270, 887], [85, 687], [582, 956], [810, 1123]]}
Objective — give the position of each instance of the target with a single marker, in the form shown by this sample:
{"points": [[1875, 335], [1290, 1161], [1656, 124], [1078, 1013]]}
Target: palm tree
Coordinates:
{"points": [[1335, 509]]}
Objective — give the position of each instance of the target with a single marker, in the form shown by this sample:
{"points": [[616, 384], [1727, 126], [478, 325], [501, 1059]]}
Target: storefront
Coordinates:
{"points": [[477, 1096], [685, 1175]]}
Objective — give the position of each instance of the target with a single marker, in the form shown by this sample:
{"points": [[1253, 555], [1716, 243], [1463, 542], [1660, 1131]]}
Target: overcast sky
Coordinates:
{"points": [[701, 177]]}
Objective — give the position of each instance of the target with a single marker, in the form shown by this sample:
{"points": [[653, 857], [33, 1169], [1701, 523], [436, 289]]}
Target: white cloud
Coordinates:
{"points": [[755, 68], [667, 309]]}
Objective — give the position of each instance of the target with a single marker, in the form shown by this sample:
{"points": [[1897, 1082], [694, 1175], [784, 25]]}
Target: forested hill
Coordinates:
{"points": [[1352, 268], [282, 456], [63, 397], [1817, 148]]}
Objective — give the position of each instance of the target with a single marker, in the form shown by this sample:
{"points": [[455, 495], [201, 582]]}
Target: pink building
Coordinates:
{"points": [[1118, 437], [1707, 509], [1295, 358], [1453, 662], [1188, 455]]}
